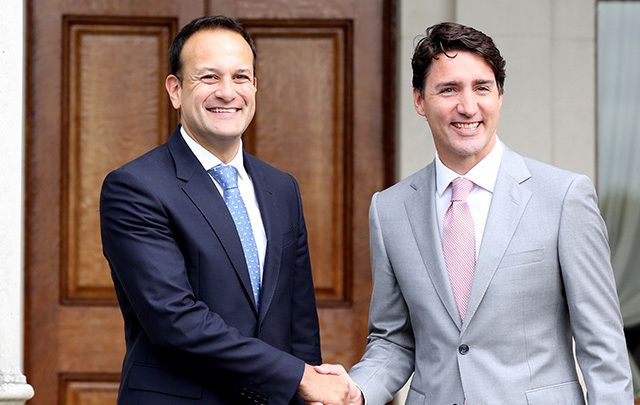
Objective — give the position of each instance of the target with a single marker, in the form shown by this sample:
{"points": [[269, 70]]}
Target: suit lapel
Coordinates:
{"points": [[270, 219], [202, 192], [421, 211], [507, 206]]}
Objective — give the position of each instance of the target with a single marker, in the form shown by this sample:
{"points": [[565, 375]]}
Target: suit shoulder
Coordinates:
{"points": [[408, 185], [149, 173], [260, 164], [551, 176], [538, 167], [267, 170], [148, 164]]}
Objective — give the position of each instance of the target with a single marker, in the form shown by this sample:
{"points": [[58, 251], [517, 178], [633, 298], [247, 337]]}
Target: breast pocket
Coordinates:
{"points": [[522, 258]]}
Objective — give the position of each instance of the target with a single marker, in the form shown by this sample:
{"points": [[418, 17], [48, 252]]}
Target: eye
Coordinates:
{"points": [[208, 79], [241, 78], [447, 90]]}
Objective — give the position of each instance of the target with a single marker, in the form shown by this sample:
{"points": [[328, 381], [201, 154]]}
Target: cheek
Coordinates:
{"points": [[492, 108], [247, 94], [438, 117]]}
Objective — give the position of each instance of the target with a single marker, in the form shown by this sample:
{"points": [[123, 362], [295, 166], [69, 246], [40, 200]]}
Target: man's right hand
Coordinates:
{"points": [[316, 388], [355, 395]]}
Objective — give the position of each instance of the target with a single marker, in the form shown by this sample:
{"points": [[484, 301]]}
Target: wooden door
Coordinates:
{"points": [[96, 99]]}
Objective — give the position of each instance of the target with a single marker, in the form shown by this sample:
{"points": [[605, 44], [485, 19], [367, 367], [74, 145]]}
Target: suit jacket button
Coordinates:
{"points": [[463, 349]]}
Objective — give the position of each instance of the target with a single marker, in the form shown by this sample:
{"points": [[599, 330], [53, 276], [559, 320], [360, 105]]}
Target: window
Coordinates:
{"points": [[619, 153]]}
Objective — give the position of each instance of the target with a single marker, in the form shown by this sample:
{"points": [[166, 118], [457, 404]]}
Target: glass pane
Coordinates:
{"points": [[619, 152]]}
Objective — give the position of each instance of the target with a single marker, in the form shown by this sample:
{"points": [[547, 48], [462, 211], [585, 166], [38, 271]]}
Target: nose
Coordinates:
{"points": [[225, 90], [467, 104]]}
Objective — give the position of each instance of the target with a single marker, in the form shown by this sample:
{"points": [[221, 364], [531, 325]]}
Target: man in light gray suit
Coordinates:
{"points": [[486, 264]]}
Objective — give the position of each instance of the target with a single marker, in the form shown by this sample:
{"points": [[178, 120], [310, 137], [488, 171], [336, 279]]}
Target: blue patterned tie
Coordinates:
{"points": [[227, 177]]}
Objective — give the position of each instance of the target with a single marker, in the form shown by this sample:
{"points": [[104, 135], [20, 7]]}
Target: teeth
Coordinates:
{"points": [[222, 110], [470, 125]]}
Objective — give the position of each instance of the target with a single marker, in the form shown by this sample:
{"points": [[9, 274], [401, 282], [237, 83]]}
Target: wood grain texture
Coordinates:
{"points": [[104, 126], [86, 85], [302, 126], [363, 155], [88, 389]]}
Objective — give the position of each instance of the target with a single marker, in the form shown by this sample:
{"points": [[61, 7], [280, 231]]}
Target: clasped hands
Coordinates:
{"points": [[329, 384]]}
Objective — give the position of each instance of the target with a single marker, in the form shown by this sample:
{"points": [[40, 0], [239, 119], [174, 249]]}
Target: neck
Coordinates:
{"points": [[223, 149], [461, 167], [462, 163]]}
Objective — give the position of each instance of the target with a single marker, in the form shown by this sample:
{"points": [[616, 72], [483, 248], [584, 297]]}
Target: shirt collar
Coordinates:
{"points": [[483, 174], [209, 160]]}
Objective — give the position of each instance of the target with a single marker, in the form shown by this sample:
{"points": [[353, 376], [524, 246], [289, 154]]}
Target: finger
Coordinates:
{"points": [[336, 369]]}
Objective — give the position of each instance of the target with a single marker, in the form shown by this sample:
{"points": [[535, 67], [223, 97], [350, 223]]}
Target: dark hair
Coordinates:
{"points": [[205, 23], [448, 37]]}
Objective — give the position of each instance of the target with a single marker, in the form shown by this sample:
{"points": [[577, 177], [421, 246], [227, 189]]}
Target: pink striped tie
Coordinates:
{"points": [[459, 243]]}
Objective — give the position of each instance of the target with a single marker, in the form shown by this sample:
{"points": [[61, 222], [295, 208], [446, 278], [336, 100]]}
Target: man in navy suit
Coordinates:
{"points": [[213, 278]]}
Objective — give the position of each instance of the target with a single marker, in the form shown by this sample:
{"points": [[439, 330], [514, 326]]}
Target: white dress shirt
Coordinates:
{"points": [[245, 185], [483, 175]]}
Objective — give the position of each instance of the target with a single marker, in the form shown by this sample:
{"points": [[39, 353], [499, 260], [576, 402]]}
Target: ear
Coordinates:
{"points": [[172, 84], [418, 102]]}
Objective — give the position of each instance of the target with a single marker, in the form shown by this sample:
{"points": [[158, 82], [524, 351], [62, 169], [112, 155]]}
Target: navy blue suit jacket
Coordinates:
{"points": [[193, 334]]}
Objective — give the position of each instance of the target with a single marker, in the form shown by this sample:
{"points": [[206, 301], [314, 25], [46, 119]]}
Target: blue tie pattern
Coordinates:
{"points": [[227, 177]]}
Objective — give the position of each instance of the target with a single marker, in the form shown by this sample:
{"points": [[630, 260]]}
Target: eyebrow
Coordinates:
{"points": [[457, 83], [484, 81], [448, 84], [214, 70]]}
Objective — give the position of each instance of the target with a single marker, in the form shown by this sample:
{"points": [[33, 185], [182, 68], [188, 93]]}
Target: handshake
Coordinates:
{"points": [[328, 384]]}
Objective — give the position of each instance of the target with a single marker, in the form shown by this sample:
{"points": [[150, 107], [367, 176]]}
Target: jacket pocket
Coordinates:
{"points": [[163, 380], [569, 393], [415, 397], [521, 258]]}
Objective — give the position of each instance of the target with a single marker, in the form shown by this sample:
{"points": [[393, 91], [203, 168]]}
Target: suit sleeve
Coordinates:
{"points": [[594, 309], [305, 333], [150, 270], [389, 357]]}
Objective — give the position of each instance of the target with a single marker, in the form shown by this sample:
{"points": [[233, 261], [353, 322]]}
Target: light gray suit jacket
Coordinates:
{"points": [[543, 276]]}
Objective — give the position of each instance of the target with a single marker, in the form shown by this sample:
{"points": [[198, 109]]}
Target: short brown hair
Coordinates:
{"points": [[446, 38], [205, 23]]}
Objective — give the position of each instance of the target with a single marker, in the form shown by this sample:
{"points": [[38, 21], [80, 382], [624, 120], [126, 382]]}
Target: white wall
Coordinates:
{"points": [[13, 387], [549, 107], [549, 102]]}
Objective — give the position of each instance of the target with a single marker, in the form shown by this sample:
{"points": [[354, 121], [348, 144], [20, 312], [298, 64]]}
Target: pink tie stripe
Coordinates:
{"points": [[459, 243]]}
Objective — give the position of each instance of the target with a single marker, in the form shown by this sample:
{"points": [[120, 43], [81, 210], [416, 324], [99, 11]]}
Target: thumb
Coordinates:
{"points": [[335, 369]]}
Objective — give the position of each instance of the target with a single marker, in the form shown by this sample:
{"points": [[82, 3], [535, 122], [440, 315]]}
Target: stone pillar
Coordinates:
{"points": [[14, 389]]}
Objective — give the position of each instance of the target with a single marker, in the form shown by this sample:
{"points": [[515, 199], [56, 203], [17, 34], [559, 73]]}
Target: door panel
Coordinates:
{"points": [[96, 99], [313, 138], [321, 79], [113, 109]]}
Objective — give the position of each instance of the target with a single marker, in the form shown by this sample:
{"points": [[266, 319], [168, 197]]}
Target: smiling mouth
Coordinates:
{"points": [[466, 125], [222, 110]]}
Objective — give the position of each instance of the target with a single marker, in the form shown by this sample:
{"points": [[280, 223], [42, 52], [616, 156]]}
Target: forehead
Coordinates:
{"points": [[463, 66], [218, 47]]}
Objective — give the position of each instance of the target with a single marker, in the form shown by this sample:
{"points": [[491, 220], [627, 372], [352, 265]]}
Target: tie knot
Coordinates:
{"points": [[225, 175], [460, 189]]}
